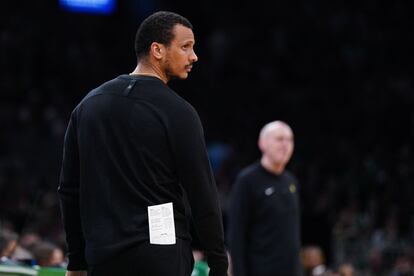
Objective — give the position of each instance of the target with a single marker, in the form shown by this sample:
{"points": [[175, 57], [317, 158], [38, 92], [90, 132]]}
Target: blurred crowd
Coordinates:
{"points": [[339, 73]]}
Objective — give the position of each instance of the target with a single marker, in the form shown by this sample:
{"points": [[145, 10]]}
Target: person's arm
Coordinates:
{"points": [[195, 174], [68, 192], [238, 226]]}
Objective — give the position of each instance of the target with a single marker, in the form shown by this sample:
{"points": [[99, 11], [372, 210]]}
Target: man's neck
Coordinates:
{"points": [[148, 69], [272, 167]]}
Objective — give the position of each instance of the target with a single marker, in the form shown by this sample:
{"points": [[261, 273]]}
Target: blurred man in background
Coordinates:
{"points": [[264, 215], [134, 152]]}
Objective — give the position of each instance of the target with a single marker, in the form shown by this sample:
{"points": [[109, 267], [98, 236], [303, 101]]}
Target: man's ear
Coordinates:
{"points": [[157, 50]]}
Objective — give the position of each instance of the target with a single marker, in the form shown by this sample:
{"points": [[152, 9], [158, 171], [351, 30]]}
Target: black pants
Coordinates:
{"points": [[149, 260]]}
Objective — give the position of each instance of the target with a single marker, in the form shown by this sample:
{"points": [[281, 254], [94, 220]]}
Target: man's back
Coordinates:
{"points": [[123, 130]]}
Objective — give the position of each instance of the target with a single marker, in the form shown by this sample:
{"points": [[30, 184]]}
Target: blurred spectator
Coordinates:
{"points": [[200, 265], [28, 239], [313, 260], [403, 266], [346, 269], [24, 246], [389, 240], [47, 254], [8, 244]]}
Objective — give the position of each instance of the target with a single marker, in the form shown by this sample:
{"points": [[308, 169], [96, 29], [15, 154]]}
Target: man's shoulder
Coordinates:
{"points": [[179, 102], [109, 85], [249, 172], [176, 107], [112, 84], [160, 95]]}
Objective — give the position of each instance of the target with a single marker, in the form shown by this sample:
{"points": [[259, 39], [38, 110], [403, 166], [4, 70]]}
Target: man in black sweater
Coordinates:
{"points": [[264, 216], [134, 160]]}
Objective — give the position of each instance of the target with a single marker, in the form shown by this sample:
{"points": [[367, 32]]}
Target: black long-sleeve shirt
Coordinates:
{"points": [[132, 143], [264, 224]]}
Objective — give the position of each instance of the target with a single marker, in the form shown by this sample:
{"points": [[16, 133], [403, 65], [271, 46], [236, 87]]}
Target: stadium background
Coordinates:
{"points": [[339, 72]]}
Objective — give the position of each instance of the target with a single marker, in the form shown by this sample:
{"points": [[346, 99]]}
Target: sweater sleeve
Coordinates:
{"points": [[195, 174], [238, 227], [68, 192]]}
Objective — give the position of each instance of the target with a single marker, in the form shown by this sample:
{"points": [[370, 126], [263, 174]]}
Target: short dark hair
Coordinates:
{"points": [[157, 27]]}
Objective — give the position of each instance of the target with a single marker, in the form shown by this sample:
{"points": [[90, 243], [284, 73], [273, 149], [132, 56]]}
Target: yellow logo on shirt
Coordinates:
{"points": [[292, 188]]}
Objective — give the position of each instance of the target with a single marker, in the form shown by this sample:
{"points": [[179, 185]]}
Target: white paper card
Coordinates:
{"points": [[161, 224]]}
